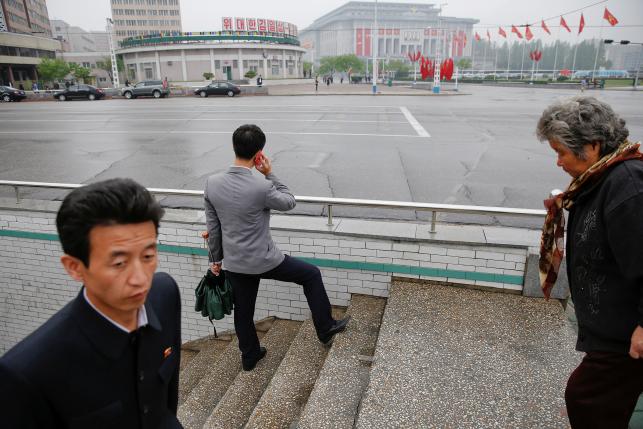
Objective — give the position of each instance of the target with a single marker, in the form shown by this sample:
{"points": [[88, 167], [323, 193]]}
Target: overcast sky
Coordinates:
{"points": [[205, 15]]}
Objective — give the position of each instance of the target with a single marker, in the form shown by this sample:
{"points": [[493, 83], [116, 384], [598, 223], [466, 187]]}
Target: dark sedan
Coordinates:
{"points": [[8, 93], [86, 92], [218, 88]]}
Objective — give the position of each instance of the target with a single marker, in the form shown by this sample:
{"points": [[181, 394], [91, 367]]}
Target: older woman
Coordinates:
{"points": [[604, 256]]}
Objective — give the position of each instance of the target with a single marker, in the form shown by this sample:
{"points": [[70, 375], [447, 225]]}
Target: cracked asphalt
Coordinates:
{"points": [[482, 148]]}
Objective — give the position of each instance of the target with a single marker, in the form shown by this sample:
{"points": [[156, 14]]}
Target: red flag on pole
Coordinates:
{"points": [[502, 32], [477, 37], [582, 23], [488, 35], [544, 26], [528, 34], [564, 24], [515, 30], [610, 18]]}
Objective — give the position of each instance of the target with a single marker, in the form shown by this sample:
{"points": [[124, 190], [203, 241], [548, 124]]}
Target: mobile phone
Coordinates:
{"points": [[258, 159]]}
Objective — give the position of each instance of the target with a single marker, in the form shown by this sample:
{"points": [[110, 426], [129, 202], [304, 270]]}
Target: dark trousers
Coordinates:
{"points": [[246, 286], [602, 392]]}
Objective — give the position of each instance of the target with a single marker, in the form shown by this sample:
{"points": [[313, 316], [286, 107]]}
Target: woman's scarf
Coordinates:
{"points": [[551, 242]]}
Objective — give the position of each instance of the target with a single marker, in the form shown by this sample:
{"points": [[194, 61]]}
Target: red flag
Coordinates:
{"points": [[488, 35], [465, 40], [502, 32], [544, 26], [610, 18], [528, 34], [564, 24], [582, 24], [515, 30], [477, 36]]}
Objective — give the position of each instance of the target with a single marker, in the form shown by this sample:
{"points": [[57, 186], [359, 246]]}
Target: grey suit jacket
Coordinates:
{"points": [[237, 212]]}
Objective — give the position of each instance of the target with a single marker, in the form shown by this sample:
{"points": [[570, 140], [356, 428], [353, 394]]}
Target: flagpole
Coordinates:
{"points": [[508, 58], [495, 62], [484, 58], [473, 54], [600, 39], [522, 64], [556, 54]]}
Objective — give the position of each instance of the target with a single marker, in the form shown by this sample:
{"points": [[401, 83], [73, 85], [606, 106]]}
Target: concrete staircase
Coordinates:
{"points": [[429, 356]]}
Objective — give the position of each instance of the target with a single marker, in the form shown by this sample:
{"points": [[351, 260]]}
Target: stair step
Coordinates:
{"points": [[334, 401], [199, 366], [457, 357], [234, 409], [286, 395]]}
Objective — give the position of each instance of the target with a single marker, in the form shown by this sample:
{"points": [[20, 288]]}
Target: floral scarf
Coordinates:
{"points": [[551, 242]]}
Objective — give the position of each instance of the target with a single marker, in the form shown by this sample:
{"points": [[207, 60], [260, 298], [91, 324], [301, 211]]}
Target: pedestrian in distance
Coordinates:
{"points": [[604, 257], [316, 83], [34, 87], [21, 87], [110, 357], [237, 209], [127, 82], [259, 81], [165, 83]]}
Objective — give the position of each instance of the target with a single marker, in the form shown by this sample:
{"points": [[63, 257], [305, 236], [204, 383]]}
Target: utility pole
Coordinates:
{"points": [[375, 40], [438, 55], [112, 53]]}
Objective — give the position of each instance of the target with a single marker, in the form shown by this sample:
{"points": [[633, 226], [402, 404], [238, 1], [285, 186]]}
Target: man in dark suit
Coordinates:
{"points": [[109, 358], [237, 208]]}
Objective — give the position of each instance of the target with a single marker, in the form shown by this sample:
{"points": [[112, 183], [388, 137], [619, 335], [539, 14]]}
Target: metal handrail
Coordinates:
{"points": [[329, 202]]}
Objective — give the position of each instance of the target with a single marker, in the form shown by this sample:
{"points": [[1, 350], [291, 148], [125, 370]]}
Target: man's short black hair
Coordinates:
{"points": [[247, 140], [109, 202]]}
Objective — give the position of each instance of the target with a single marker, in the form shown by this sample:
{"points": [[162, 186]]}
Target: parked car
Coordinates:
{"points": [[146, 88], [8, 93], [218, 88], [80, 91]]}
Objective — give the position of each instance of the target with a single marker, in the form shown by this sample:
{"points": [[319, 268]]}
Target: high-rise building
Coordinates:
{"points": [[25, 39], [25, 16], [140, 17]]}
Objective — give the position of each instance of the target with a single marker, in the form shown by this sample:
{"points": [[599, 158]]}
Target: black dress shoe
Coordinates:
{"points": [[338, 327], [249, 364]]}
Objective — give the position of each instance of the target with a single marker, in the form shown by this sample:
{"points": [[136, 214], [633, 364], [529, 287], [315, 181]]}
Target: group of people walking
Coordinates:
{"points": [[110, 358]]}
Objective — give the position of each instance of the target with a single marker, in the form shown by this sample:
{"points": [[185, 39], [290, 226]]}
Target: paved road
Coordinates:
{"points": [[472, 149]]}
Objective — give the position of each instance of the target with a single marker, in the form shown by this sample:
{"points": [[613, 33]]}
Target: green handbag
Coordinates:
{"points": [[214, 297]]}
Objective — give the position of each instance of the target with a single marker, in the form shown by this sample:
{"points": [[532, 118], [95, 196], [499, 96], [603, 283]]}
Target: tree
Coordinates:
{"points": [[308, 66], [52, 69], [106, 64], [342, 63], [463, 63], [399, 67], [79, 72], [250, 74], [208, 75]]}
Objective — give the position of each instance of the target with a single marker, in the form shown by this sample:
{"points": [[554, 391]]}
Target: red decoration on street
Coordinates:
{"points": [[448, 72], [610, 18], [528, 34], [544, 26], [536, 55], [477, 36], [582, 24], [564, 24], [502, 32], [515, 30], [414, 56], [565, 72]]}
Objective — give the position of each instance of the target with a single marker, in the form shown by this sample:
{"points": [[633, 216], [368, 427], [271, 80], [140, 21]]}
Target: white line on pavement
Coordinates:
{"points": [[414, 123], [200, 111], [96, 132], [204, 119]]}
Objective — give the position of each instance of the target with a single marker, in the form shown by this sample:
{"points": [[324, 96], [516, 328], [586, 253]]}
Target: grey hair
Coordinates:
{"points": [[580, 121]]}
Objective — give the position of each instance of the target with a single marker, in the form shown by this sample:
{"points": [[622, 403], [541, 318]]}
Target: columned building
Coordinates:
{"points": [[228, 55], [402, 28], [142, 17]]}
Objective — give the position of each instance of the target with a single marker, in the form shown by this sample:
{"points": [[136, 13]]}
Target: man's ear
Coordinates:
{"points": [[74, 267]]}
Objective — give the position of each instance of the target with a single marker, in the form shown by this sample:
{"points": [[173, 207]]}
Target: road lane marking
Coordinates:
{"points": [[96, 132], [206, 119], [218, 112], [414, 123]]}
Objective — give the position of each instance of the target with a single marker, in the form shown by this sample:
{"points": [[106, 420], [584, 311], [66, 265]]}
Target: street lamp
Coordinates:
{"points": [[438, 54], [638, 62]]}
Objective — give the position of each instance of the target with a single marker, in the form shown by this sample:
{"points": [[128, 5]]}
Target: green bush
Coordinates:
{"points": [[562, 78], [250, 74], [208, 75]]}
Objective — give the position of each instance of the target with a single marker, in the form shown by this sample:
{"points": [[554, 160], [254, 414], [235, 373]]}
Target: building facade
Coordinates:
{"points": [[143, 17], [402, 28], [625, 57], [25, 16], [227, 54], [25, 38]]}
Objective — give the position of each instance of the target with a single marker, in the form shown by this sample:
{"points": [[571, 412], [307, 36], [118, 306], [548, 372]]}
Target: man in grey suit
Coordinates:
{"points": [[237, 208]]}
